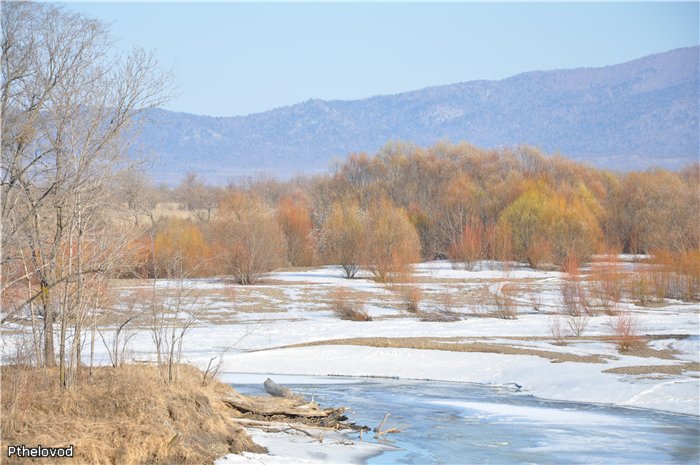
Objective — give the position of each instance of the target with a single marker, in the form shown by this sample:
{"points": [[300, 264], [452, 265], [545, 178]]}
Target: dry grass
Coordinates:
{"points": [[643, 350], [465, 299], [503, 302], [121, 416], [169, 210], [443, 310], [271, 281], [454, 345], [655, 369]]}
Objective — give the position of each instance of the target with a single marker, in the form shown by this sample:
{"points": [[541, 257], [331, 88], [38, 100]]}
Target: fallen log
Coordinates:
{"points": [[278, 406], [291, 408]]}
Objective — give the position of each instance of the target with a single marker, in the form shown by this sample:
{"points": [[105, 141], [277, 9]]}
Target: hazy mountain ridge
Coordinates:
{"points": [[627, 116]]}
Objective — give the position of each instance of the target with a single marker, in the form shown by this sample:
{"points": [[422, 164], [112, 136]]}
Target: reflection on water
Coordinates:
{"points": [[454, 423]]}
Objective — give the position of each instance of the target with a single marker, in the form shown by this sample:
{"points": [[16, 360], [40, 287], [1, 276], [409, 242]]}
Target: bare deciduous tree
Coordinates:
{"points": [[248, 240], [69, 114], [341, 238], [391, 243], [197, 197]]}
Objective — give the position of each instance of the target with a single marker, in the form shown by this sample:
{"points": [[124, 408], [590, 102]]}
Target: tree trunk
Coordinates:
{"points": [[49, 353]]}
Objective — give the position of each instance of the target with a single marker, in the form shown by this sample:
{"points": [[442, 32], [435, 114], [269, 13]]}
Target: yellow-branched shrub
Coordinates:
{"points": [[391, 241]]}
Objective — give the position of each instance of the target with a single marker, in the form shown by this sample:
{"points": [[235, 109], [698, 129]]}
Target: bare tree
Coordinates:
{"points": [[172, 306], [342, 236], [197, 197], [391, 243], [248, 239], [69, 114], [137, 194]]}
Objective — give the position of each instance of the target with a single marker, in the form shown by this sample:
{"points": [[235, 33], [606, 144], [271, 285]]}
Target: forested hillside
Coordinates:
{"points": [[628, 116]]}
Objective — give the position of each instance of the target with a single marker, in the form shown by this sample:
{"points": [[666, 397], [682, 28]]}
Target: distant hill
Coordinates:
{"points": [[628, 116]]}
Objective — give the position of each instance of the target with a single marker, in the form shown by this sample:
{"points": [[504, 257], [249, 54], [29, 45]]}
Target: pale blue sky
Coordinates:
{"points": [[240, 58]]}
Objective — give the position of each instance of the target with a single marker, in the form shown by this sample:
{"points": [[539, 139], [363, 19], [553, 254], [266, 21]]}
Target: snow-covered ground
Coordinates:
{"points": [[294, 447], [292, 308], [582, 382], [464, 423], [251, 328]]}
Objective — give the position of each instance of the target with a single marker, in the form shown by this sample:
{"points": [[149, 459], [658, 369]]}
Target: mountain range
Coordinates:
{"points": [[633, 115]]}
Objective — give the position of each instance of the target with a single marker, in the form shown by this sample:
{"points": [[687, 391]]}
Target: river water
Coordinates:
{"points": [[456, 423]]}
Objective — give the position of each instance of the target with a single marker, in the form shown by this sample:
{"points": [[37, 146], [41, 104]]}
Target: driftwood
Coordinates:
{"points": [[276, 390], [274, 406], [284, 406], [379, 432]]}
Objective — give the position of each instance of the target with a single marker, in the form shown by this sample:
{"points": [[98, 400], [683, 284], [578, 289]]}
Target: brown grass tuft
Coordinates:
{"points": [[442, 311], [410, 298], [123, 415], [348, 306], [504, 305]]}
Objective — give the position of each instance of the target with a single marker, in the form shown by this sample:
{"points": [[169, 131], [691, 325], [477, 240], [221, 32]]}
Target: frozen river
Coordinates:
{"points": [[451, 423]]}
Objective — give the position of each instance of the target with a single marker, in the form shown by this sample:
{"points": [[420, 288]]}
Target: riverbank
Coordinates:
{"points": [[460, 423], [125, 415], [286, 325]]}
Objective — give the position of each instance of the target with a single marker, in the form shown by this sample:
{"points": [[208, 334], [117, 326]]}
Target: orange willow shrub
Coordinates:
{"points": [[455, 211], [675, 275], [639, 283], [657, 209], [499, 244], [576, 307], [504, 302], [467, 249], [687, 275], [606, 281], [294, 217], [411, 296], [625, 331], [140, 251], [247, 238], [424, 225], [180, 249], [342, 237], [539, 252], [348, 306]]}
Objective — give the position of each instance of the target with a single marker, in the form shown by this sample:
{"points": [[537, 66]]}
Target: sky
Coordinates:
{"points": [[241, 58]]}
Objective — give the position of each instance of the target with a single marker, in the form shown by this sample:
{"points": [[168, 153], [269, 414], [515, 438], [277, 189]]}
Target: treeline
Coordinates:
{"points": [[406, 204]]}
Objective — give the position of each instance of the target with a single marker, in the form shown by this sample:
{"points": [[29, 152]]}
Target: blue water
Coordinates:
{"points": [[499, 426]]}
